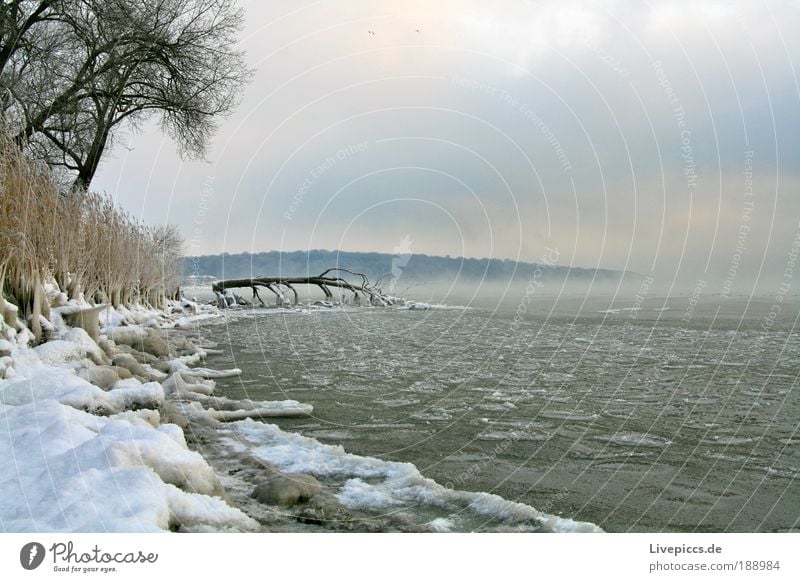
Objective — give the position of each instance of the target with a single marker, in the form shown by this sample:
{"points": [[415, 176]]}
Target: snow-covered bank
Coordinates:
{"points": [[86, 435]]}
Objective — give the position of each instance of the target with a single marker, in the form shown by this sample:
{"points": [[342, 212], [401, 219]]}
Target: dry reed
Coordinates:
{"points": [[80, 241]]}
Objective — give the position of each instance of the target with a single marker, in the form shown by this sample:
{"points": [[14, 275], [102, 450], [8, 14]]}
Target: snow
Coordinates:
{"points": [[77, 458], [74, 346], [374, 484], [150, 395], [619, 310], [83, 340], [190, 312], [177, 365], [420, 306], [65, 387], [46, 383], [441, 524], [357, 494], [189, 321], [111, 318], [74, 471], [261, 412], [175, 384], [225, 409], [56, 352]]}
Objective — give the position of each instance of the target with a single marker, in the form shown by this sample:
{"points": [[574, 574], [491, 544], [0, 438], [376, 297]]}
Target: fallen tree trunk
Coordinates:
{"points": [[324, 281]]}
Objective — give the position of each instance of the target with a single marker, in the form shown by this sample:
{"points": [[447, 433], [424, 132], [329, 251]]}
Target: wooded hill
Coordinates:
{"points": [[410, 268]]}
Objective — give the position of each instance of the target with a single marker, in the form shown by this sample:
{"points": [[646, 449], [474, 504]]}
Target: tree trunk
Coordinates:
{"points": [[89, 167], [323, 281]]}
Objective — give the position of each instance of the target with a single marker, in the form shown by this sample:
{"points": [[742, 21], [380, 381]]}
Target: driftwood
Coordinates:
{"points": [[325, 281]]}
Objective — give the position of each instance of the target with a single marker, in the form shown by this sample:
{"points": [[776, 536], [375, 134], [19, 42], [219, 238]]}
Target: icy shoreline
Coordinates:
{"points": [[94, 430], [123, 433]]}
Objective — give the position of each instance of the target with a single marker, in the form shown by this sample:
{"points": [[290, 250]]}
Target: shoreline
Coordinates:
{"points": [[141, 443], [89, 434]]}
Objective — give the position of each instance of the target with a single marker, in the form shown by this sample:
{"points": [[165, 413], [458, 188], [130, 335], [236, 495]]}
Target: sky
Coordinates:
{"points": [[657, 137]]}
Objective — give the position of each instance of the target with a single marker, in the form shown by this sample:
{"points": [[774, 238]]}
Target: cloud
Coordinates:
{"points": [[615, 130]]}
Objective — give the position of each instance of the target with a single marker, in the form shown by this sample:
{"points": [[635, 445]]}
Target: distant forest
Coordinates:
{"points": [[416, 267]]}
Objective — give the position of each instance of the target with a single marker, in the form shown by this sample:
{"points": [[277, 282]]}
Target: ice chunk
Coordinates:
{"points": [[441, 524], [357, 494], [177, 365]]}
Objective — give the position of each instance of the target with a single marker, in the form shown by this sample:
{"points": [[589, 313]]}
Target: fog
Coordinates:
{"points": [[658, 138]]}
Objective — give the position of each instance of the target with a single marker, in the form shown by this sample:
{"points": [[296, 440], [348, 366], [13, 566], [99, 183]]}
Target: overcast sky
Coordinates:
{"points": [[621, 134]]}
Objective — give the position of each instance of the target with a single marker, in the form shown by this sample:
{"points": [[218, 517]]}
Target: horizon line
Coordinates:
{"points": [[447, 257]]}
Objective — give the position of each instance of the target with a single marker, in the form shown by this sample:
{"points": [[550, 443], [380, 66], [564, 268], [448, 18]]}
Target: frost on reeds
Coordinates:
{"points": [[78, 242]]}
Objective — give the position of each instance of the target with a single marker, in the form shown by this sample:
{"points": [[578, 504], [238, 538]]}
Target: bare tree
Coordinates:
{"points": [[168, 244], [18, 18], [96, 64]]}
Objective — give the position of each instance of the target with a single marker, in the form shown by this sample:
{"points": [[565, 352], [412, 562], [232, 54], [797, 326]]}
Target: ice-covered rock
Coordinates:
{"points": [[101, 376], [144, 339], [128, 362], [287, 489], [175, 384]]}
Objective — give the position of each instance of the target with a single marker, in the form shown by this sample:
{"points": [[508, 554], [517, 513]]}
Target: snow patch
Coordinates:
{"points": [[371, 483], [75, 472]]}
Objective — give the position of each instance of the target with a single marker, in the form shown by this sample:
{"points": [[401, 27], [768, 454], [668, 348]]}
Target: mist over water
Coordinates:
{"points": [[637, 413]]}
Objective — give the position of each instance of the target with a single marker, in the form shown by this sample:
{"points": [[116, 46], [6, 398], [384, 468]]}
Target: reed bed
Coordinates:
{"points": [[79, 241]]}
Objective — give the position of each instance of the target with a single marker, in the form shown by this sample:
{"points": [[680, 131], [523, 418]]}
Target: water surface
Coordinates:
{"points": [[653, 419]]}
